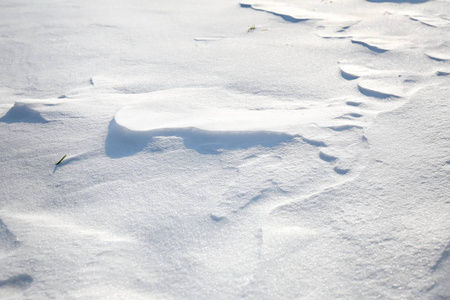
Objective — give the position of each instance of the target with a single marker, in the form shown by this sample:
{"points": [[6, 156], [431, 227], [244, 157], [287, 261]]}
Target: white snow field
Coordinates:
{"points": [[289, 149]]}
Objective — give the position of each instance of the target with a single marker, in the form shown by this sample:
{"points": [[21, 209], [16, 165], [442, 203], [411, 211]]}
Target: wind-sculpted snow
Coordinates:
{"points": [[213, 120], [332, 20], [382, 44], [22, 281], [212, 110], [379, 89], [374, 82], [22, 113], [290, 13], [351, 72], [7, 239], [123, 142], [269, 150], [433, 21], [311, 11], [439, 55]]}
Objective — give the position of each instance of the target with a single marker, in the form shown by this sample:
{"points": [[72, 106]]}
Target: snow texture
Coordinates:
{"points": [[225, 150]]}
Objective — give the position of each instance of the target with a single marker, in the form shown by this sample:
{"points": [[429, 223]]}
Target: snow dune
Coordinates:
{"points": [[215, 118]]}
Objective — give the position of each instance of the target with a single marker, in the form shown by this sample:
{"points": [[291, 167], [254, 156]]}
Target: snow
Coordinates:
{"points": [[222, 150]]}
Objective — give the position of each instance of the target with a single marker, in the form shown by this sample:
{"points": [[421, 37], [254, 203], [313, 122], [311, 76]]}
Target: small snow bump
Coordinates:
{"points": [[22, 113], [369, 46], [341, 171], [344, 127], [442, 73], [350, 116], [326, 157], [21, 282], [7, 239], [348, 76], [438, 55], [352, 103], [378, 89], [217, 218], [315, 143]]}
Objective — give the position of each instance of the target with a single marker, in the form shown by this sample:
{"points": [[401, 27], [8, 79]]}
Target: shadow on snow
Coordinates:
{"points": [[121, 142]]}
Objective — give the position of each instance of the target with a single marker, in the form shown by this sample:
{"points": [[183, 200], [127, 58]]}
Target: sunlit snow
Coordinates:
{"points": [[225, 149]]}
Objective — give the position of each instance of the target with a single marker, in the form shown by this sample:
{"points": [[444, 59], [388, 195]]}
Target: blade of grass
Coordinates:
{"points": [[61, 159]]}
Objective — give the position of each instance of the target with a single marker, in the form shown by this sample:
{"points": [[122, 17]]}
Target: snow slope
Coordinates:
{"points": [[222, 150]]}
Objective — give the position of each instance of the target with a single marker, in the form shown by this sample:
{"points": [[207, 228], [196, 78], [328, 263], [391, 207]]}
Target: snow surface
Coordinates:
{"points": [[223, 149]]}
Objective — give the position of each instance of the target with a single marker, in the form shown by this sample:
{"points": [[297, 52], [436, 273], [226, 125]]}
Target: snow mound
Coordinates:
{"points": [[379, 89], [381, 44], [21, 281], [7, 239], [124, 142], [351, 71], [438, 55], [210, 110], [22, 113], [287, 11], [310, 11], [207, 120], [213, 119]]}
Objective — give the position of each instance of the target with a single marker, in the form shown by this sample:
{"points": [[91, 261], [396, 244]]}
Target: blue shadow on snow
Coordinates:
{"points": [[285, 17], [122, 142], [21, 113]]}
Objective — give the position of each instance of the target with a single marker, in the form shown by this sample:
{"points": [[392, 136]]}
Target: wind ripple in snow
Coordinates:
{"points": [[433, 21]]}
